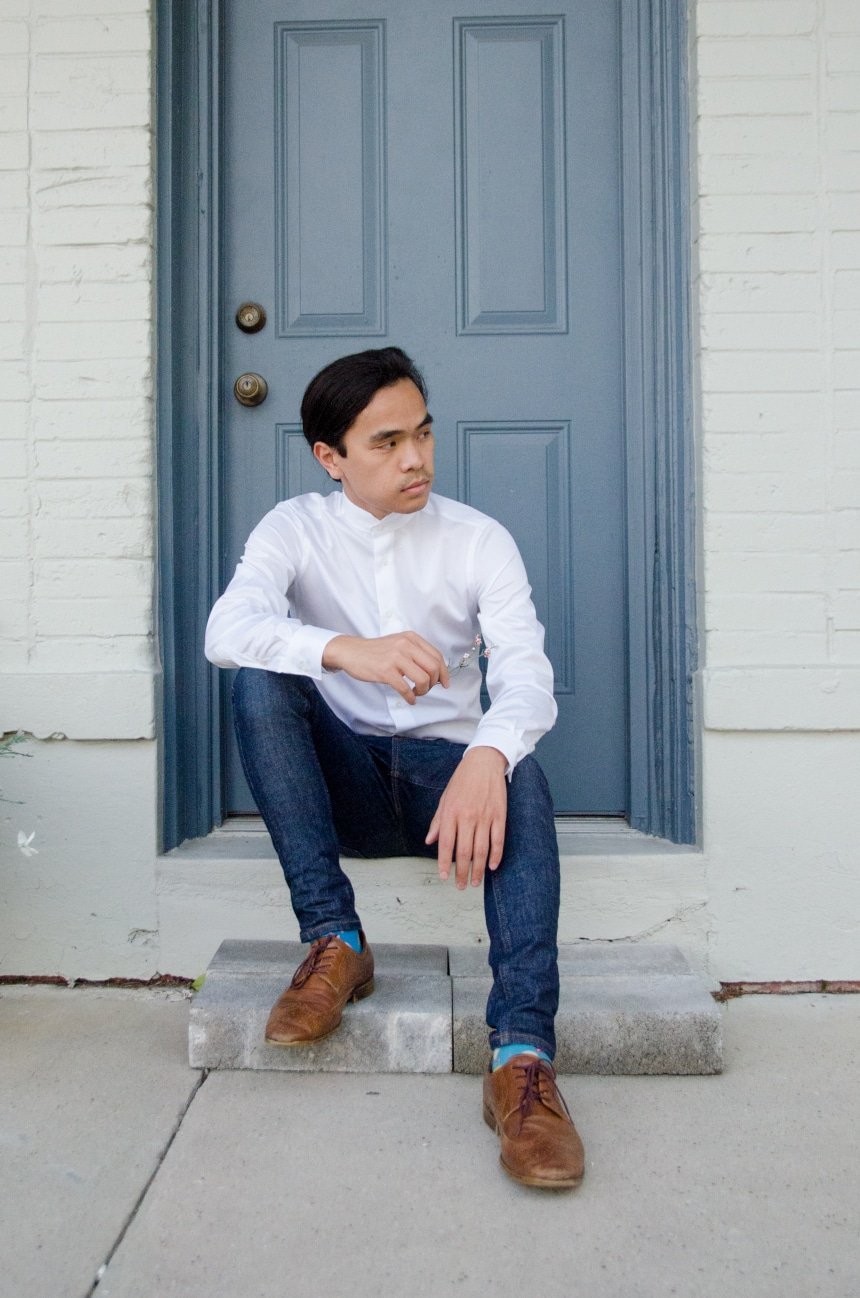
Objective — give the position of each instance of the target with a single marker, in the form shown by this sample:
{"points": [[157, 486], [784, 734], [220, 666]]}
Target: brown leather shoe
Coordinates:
{"points": [[330, 975], [540, 1144]]}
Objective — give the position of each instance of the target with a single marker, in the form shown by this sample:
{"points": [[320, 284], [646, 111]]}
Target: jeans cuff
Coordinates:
{"points": [[330, 926], [508, 1038]]}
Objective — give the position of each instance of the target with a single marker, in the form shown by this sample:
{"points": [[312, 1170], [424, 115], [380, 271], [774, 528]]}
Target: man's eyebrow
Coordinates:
{"points": [[384, 435]]}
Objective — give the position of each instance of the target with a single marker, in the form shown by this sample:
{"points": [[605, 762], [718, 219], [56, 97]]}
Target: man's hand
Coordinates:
{"points": [[469, 823], [394, 660]]}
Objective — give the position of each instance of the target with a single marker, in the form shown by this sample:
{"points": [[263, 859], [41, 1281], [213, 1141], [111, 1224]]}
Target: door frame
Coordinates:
{"points": [[662, 724]]}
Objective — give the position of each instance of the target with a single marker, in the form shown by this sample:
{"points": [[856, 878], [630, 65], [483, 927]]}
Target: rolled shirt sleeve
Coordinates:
{"points": [[251, 624], [519, 674]]}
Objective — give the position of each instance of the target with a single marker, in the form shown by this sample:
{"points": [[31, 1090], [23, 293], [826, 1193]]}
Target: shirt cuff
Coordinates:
{"points": [[303, 651], [505, 740]]}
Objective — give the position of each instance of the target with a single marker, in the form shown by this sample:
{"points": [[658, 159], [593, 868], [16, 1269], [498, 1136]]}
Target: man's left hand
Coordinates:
{"points": [[469, 823]]}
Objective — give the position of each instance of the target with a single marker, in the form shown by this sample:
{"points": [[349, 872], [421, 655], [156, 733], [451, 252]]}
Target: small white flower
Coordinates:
{"points": [[24, 844], [473, 654]]}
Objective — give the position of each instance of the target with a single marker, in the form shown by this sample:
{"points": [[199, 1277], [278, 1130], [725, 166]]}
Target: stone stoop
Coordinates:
{"points": [[403, 1027], [625, 1008]]}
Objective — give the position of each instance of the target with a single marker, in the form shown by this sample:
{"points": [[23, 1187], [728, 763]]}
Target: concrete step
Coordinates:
{"points": [[403, 1027], [625, 1008]]}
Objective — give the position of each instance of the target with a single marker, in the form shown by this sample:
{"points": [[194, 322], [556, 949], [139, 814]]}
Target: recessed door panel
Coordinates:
{"points": [[329, 194]]}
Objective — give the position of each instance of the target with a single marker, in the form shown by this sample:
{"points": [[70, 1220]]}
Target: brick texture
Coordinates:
{"points": [[777, 132], [76, 265]]}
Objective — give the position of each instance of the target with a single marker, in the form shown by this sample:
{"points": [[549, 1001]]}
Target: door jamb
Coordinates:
{"points": [[661, 613], [661, 498]]}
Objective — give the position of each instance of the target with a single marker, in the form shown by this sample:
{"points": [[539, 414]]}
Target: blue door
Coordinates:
{"points": [[446, 181]]}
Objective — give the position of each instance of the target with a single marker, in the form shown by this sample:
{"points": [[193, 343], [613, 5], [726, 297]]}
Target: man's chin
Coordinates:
{"points": [[411, 506], [410, 501]]}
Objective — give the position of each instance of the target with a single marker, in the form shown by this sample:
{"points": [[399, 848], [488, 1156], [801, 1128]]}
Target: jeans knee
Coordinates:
{"points": [[531, 814], [531, 785], [258, 692], [248, 685]]}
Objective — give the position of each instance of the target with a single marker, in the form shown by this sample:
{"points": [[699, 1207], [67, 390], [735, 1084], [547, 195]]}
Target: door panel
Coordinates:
{"points": [[447, 182], [329, 196], [510, 191]]}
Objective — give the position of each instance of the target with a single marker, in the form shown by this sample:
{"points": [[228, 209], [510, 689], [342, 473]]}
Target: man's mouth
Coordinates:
{"points": [[417, 486]]}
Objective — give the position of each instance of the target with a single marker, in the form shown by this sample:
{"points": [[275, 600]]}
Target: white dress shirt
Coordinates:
{"points": [[319, 566]]}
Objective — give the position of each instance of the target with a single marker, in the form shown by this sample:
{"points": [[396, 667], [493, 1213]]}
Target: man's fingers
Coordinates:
{"points": [[402, 686], [433, 831], [497, 842], [446, 850], [421, 643], [480, 851], [377, 659], [465, 838], [429, 658], [426, 667], [413, 671]]}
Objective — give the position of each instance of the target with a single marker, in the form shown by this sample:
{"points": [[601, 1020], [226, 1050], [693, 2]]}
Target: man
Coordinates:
{"points": [[356, 620]]}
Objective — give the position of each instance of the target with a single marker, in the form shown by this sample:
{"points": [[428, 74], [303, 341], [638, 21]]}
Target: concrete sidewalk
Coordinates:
{"points": [[257, 1184]]}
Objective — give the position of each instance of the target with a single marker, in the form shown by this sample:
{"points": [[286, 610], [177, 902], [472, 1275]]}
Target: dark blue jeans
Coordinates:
{"points": [[323, 790]]}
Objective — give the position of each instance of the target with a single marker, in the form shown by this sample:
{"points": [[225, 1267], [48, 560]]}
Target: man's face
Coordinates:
{"points": [[388, 466]]}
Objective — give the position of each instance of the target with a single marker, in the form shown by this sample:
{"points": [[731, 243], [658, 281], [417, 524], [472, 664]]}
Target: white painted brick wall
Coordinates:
{"points": [[76, 266], [777, 134]]}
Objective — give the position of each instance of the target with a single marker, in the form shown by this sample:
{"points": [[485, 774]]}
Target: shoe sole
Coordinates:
{"points": [[358, 995], [543, 1183]]}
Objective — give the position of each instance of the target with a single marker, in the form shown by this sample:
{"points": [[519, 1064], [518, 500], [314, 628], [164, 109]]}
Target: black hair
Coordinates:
{"points": [[336, 396]]}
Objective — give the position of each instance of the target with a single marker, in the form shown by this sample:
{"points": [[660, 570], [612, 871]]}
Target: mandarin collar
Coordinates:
{"points": [[364, 521]]}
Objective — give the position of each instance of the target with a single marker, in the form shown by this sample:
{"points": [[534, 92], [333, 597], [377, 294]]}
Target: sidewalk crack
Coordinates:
{"points": [[99, 1276]]}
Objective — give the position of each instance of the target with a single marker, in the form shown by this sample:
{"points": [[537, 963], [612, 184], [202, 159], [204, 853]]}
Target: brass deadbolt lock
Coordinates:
{"points": [[250, 389], [250, 317]]}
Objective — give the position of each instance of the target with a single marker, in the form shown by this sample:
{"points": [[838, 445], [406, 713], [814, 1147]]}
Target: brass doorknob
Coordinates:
{"points": [[250, 389], [250, 317]]}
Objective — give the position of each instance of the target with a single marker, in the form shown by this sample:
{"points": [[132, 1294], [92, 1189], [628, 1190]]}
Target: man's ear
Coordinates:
{"points": [[328, 458]]}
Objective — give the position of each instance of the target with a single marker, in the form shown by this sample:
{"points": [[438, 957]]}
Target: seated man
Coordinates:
{"points": [[357, 620]]}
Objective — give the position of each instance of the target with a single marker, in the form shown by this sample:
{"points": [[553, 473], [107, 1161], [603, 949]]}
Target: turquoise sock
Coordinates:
{"points": [[502, 1054], [352, 938]]}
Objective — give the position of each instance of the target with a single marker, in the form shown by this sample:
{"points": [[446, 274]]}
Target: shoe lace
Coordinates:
{"points": [[318, 959], [537, 1081]]}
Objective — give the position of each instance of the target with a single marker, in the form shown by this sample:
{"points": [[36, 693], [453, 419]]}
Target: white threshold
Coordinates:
{"points": [[577, 836]]}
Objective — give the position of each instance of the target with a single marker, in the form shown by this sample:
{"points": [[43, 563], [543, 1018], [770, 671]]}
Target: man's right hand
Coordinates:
{"points": [[394, 660]]}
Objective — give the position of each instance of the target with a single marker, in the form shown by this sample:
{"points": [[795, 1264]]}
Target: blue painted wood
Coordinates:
{"points": [[661, 504], [330, 201], [532, 363], [519, 474], [297, 471], [510, 168], [188, 400], [661, 592]]}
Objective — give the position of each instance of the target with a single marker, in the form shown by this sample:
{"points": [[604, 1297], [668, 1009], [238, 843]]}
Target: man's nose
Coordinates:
{"points": [[411, 457]]}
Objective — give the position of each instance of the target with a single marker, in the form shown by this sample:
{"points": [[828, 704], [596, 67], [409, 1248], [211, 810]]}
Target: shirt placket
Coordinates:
{"points": [[388, 603]]}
